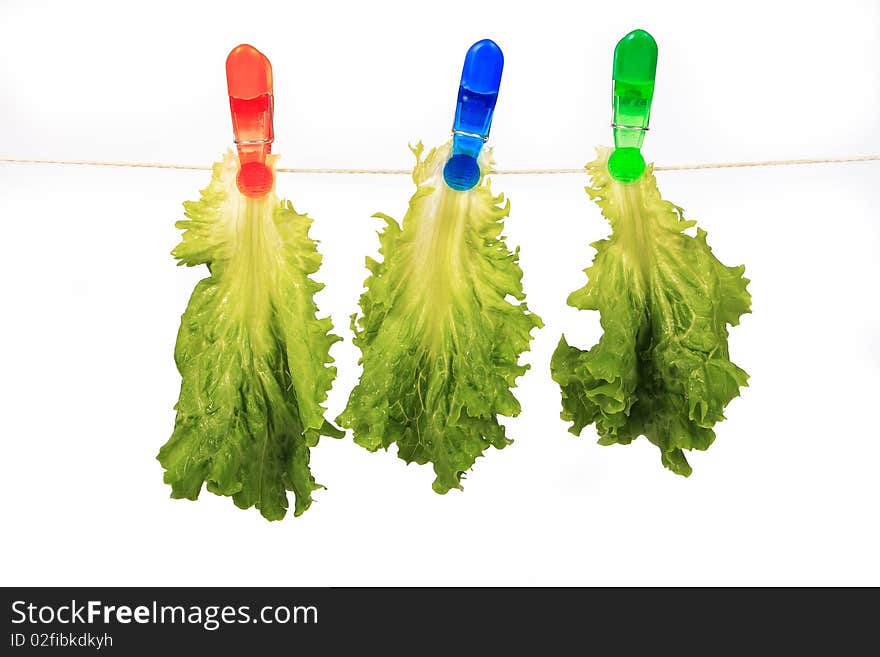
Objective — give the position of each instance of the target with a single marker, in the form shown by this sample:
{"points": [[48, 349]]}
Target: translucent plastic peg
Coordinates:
{"points": [[477, 94], [635, 66], [249, 80]]}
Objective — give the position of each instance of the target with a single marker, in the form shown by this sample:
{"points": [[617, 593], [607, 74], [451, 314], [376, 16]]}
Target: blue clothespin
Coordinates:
{"points": [[477, 94]]}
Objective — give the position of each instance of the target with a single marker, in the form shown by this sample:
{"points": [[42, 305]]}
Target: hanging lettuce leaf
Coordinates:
{"points": [[252, 353], [440, 340], [662, 367]]}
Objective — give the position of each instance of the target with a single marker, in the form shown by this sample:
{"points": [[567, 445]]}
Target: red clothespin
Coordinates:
{"points": [[249, 80]]}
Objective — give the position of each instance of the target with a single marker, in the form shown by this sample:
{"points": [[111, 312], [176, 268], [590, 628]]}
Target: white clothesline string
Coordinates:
{"points": [[500, 172]]}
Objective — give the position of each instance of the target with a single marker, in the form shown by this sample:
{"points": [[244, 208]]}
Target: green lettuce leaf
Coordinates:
{"points": [[440, 341], [253, 356], [662, 367]]}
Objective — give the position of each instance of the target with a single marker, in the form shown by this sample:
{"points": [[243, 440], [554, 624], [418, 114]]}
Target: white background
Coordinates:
{"points": [[91, 298]]}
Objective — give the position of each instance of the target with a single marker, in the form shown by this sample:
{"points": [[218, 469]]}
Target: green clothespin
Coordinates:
{"points": [[635, 65]]}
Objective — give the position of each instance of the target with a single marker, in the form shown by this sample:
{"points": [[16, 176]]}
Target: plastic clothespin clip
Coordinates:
{"points": [[635, 66], [249, 80], [477, 94]]}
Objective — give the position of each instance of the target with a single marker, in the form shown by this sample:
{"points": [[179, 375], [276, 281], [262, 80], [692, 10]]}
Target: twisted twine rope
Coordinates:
{"points": [[394, 172]]}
